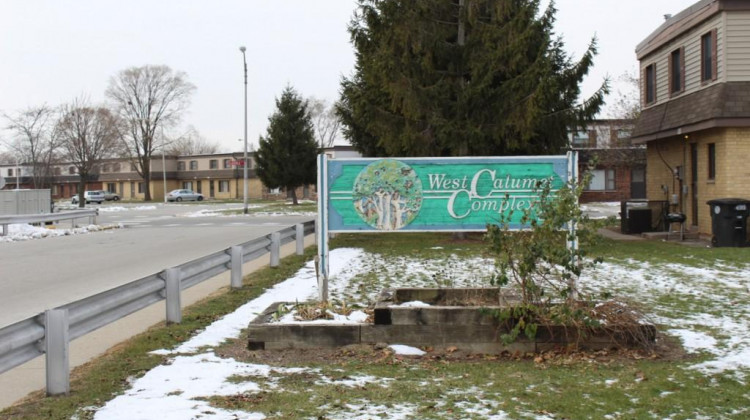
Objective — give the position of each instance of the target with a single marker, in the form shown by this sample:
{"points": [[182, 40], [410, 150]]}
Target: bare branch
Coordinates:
{"points": [[34, 141], [147, 99], [325, 121]]}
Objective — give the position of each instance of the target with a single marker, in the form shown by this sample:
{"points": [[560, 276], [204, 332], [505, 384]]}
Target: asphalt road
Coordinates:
{"points": [[41, 274]]}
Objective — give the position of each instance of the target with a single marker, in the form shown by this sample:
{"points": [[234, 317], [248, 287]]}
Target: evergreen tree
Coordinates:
{"points": [[287, 154], [461, 77]]}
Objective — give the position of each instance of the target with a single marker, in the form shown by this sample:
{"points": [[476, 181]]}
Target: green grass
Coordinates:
{"points": [[518, 388], [572, 386]]}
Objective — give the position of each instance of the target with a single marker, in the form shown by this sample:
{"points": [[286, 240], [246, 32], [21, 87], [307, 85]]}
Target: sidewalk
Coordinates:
{"points": [[690, 239], [617, 236]]}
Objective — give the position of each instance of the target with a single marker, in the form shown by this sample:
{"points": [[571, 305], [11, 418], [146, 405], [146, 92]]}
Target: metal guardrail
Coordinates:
{"points": [[51, 331], [47, 217]]}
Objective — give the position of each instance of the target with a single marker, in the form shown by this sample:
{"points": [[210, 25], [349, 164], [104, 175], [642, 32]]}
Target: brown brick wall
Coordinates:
{"points": [[620, 193]]}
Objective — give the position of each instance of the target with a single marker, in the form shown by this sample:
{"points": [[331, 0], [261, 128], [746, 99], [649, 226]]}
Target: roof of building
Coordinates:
{"points": [[678, 24], [720, 105], [675, 25]]}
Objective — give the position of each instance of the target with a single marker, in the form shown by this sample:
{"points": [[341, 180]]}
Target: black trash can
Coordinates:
{"points": [[729, 221], [635, 217]]}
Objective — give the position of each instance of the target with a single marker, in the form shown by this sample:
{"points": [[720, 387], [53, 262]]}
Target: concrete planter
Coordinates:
{"points": [[445, 323]]}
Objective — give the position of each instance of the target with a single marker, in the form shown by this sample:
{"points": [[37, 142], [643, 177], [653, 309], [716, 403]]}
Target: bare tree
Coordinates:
{"points": [[34, 141], [87, 135], [325, 121], [6, 157], [148, 99], [627, 103], [192, 143]]}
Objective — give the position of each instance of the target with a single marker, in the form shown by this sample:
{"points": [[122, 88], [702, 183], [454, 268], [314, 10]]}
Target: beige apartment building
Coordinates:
{"points": [[695, 79], [217, 176]]}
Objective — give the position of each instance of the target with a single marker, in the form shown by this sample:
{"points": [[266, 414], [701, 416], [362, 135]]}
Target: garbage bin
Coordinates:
{"points": [[635, 217], [729, 221]]}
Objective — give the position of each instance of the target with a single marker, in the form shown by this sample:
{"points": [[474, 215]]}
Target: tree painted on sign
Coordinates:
{"points": [[387, 194]]}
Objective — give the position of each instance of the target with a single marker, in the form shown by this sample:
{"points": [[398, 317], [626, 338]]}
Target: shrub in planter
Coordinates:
{"points": [[543, 264]]}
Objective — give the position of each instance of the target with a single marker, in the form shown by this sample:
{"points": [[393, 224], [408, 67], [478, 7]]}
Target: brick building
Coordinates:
{"points": [[619, 171], [695, 121]]}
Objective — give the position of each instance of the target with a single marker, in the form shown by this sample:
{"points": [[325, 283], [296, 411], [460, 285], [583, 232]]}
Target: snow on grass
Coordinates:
{"points": [[173, 391], [406, 350], [367, 411], [698, 305], [602, 210], [706, 307], [301, 287], [24, 232]]}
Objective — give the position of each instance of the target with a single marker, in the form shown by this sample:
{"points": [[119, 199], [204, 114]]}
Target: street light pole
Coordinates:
{"points": [[164, 173], [244, 162]]}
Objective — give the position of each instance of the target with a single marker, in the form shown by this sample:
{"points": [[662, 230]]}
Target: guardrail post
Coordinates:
{"points": [[275, 248], [300, 236], [56, 342], [236, 277], [174, 310]]}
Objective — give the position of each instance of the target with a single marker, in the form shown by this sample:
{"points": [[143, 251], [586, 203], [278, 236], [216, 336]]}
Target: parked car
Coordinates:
{"points": [[184, 195], [110, 196], [94, 196]]}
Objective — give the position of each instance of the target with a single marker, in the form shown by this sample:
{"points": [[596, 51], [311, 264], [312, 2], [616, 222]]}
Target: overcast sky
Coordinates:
{"points": [[53, 51]]}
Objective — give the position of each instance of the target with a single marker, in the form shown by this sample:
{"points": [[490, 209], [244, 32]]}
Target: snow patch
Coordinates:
{"points": [[406, 350]]}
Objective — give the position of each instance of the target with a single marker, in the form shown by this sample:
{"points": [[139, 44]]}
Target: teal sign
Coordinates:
{"points": [[434, 194]]}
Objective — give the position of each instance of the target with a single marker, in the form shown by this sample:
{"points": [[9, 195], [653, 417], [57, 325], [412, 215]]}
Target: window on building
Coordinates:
{"points": [[10, 171], [223, 186], [72, 170], [132, 167], [708, 56], [712, 161], [580, 139], [193, 165], [227, 164], [58, 171], [213, 164], [187, 185], [650, 77], [105, 168], [180, 166], [677, 71], [111, 187], [141, 188], [602, 180], [115, 167]]}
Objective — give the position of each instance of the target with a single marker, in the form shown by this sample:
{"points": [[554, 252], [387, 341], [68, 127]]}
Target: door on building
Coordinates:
{"points": [[638, 182], [200, 190], [211, 189], [694, 183]]}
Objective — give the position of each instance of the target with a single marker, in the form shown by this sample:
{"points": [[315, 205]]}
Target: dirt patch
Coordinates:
{"points": [[666, 349]]}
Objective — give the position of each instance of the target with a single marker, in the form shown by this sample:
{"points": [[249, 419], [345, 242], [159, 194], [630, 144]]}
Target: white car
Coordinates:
{"points": [[95, 196], [184, 195]]}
